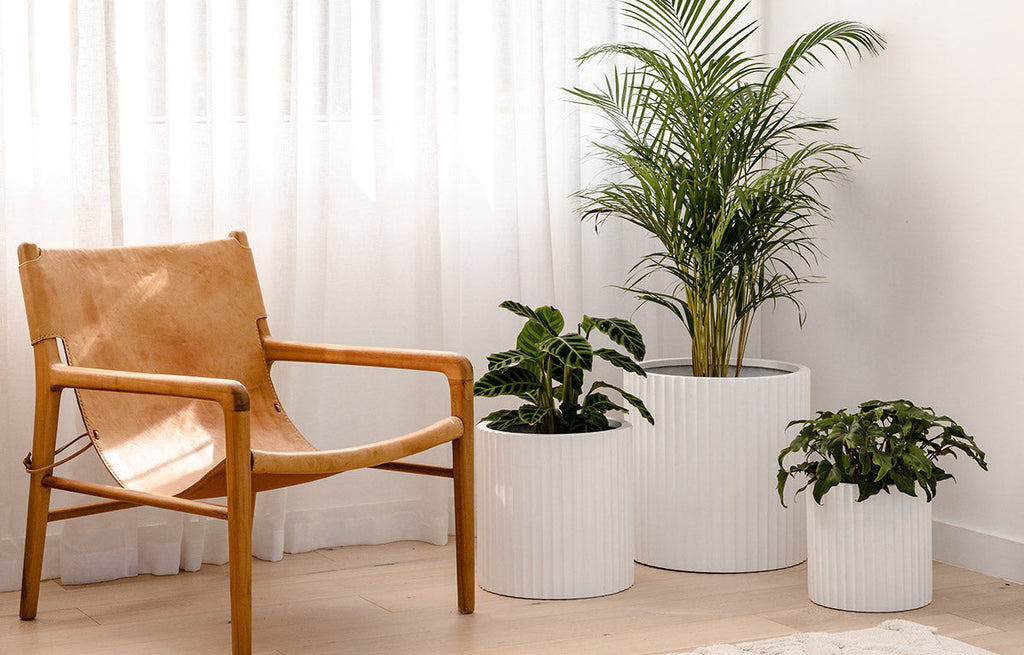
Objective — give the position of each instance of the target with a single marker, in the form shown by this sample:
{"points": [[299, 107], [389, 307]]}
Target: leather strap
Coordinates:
{"points": [[28, 458]]}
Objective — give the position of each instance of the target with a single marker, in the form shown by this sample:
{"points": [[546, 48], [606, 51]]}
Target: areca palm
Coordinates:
{"points": [[711, 158]]}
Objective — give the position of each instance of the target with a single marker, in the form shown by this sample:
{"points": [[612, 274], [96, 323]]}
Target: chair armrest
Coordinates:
{"points": [[230, 394], [455, 366]]}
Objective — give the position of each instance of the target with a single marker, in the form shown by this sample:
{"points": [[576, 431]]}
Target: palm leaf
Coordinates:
{"points": [[711, 159]]}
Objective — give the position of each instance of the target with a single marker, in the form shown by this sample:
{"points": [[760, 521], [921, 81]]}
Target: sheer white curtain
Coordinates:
{"points": [[400, 166]]}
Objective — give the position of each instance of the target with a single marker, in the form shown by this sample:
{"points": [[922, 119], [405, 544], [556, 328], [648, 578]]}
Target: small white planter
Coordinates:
{"points": [[706, 471], [874, 556], [554, 513]]}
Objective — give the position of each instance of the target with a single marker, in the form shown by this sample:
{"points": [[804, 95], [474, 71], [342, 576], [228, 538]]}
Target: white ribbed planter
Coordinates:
{"points": [[554, 513], [874, 556], [706, 471]]}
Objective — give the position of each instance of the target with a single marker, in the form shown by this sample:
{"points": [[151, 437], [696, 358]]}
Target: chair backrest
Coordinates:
{"points": [[188, 309]]}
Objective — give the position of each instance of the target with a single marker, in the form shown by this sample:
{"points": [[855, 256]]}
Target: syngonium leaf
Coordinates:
{"points": [[886, 446]]}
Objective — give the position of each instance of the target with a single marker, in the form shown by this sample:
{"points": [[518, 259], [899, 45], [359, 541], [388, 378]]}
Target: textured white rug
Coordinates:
{"points": [[895, 637]]}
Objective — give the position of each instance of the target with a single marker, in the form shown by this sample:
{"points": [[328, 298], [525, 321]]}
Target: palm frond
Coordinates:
{"points": [[717, 165]]}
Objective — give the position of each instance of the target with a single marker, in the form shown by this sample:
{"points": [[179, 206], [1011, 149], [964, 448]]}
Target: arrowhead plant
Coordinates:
{"points": [[546, 370], [886, 444]]}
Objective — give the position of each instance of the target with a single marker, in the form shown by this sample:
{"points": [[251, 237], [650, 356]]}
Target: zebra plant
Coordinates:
{"points": [[546, 370], [708, 154]]}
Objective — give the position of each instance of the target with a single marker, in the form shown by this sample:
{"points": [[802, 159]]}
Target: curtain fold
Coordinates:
{"points": [[400, 168]]}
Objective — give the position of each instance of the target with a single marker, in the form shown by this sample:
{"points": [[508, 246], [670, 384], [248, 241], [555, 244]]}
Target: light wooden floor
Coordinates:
{"points": [[400, 599]]}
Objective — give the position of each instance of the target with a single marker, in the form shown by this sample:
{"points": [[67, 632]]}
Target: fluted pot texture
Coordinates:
{"points": [[554, 513], [706, 471], [872, 556]]}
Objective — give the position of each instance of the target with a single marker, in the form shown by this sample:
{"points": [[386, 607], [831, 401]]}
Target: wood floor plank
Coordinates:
{"points": [[400, 598]]}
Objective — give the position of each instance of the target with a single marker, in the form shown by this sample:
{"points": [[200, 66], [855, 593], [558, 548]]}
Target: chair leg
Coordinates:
{"points": [[241, 502], [465, 533], [240, 565], [44, 437], [35, 542]]}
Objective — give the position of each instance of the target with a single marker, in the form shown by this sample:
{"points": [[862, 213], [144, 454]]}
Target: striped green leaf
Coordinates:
{"points": [[548, 318], [506, 359], [518, 382], [532, 415], [637, 404], [624, 362], [502, 419], [623, 333], [570, 350]]}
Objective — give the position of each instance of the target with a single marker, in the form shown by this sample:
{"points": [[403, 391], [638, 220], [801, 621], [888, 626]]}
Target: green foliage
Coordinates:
{"points": [[885, 444], [546, 369], [713, 161]]}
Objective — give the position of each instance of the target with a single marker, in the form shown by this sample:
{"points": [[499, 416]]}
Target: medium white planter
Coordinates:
{"points": [[706, 471], [554, 513], [874, 556]]}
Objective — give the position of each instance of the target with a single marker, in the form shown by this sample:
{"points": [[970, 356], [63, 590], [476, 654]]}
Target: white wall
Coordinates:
{"points": [[924, 289]]}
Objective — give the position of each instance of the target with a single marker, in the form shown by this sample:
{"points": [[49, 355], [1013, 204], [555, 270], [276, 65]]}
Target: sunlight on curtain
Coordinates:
{"points": [[400, 168]]}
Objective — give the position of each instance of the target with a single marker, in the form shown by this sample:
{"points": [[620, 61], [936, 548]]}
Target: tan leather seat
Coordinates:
{"points": [[179, 334]]}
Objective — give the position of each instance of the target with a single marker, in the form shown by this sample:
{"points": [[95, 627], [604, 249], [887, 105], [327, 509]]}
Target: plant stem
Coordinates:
{"points": [[548, 422]]}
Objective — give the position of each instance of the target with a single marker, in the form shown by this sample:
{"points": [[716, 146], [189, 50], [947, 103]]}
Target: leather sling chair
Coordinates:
{"points": [[168, 351]]}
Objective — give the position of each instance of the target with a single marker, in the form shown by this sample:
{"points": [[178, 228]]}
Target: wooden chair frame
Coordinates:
{"points": [[242, 462]]}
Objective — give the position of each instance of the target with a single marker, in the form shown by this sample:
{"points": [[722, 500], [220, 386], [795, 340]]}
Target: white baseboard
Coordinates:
{"points": [[978, 551]]}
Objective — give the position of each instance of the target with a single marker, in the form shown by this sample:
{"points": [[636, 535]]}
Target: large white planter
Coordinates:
{"points": [[554, 513], [706, 471], [874, 556]]}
